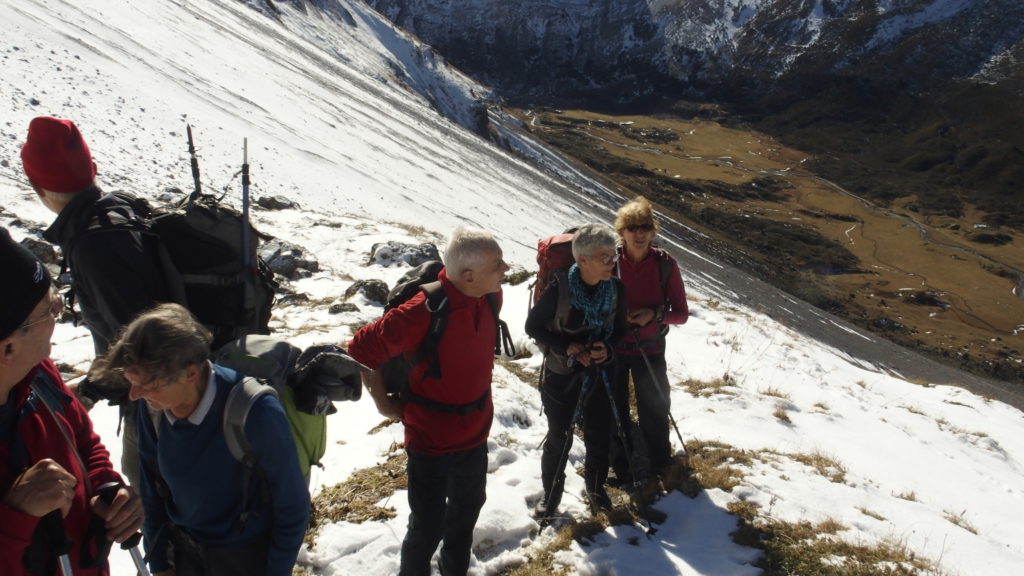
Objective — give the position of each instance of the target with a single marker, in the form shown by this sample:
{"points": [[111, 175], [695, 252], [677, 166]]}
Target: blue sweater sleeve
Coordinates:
{"points": [[269, 435]]}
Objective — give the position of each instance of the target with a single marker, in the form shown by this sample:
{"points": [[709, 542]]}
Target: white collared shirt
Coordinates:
{"points": [[205, 403]]}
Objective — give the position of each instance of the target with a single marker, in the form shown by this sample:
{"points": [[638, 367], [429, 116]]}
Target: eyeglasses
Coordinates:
{"points": [[606, 259], [56, 307], [640, 227]]}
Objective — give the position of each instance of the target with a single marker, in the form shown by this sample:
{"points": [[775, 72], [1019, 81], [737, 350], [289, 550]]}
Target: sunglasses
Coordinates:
{"points": [[640, 228]]}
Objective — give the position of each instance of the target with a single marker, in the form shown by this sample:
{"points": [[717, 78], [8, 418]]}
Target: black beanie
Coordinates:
{"points": [[25, 282]]}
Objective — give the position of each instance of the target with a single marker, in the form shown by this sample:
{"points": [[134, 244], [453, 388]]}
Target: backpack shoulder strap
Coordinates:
{"points": [[502, 334], [437, 305], [236, 411], [664, 270], [564, 299]]}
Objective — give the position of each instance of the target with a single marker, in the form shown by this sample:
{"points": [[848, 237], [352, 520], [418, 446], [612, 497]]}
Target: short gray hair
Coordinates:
{"points": [[592, 237], [467, 249]]}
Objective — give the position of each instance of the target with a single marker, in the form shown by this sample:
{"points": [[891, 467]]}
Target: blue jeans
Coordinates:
{"points": [[446, 493]]}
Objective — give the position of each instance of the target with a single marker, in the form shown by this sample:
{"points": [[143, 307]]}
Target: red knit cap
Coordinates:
{"points": [[55, 157]]}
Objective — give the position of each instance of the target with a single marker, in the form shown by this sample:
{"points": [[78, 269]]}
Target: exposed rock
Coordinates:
{"points": [[342, 307], [293, 299], [275, 203], [288, 260], [412, 254], [373, 290], [45, 251]]}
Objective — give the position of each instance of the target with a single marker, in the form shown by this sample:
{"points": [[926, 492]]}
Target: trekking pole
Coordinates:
{"points": [[195, 164], [107, 492], [559, 480], [53, 523], [245, 204], [656, 385], [248, 266]]}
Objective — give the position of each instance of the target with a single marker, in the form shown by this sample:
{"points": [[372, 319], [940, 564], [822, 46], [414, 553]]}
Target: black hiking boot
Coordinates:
{"points": [[599, 501]]}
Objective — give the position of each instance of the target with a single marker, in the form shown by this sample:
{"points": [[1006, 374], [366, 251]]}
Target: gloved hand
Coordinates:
{"points": [[91, 391]]}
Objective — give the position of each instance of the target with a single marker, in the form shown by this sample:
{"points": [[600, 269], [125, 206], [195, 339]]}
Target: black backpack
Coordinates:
{"points": [[395, 371], [203, 260]]}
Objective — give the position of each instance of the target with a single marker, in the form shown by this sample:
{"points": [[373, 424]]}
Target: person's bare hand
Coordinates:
{"points": [[389, 406], [123, 516], [44, 487], [578, 353], [641, 317], [598, 353]]}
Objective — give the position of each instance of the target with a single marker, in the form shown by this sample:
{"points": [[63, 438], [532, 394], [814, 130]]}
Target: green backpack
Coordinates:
{"points": [[304, 382]]}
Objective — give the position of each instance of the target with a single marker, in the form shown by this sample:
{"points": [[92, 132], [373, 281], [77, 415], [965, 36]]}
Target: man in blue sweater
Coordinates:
{"points": [[192, 487]]}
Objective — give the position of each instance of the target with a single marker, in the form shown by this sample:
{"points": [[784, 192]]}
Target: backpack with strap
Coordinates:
{"points": [[304, 382], [203, 258], [554, 253], [395, 371], [554, 258]]}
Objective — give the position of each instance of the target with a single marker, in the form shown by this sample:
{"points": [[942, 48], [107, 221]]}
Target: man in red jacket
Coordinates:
{"points": [[51, 461], [447, 469]]}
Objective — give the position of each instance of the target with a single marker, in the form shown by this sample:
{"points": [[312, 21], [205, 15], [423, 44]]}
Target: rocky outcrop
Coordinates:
{"points": [[729, 49]]}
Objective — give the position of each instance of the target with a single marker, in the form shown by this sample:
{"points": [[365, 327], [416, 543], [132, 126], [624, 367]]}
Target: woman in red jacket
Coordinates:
{"points": [[656, 297]]}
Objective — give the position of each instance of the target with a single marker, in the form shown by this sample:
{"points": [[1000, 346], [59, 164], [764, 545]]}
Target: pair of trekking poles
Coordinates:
{"points": [[53, 522], [586, 389]]}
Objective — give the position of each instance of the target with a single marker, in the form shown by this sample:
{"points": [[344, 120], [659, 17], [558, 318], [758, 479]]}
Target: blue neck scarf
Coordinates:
{"points": [[596, 303]]}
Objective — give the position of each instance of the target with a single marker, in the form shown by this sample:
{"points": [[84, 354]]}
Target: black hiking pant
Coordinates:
{"points": [[193, 558], [446, 493], [559, 394], [652, 405]]}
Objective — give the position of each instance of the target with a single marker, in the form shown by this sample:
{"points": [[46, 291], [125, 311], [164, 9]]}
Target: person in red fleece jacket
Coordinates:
{"points": [[51, 461], [655, 301], [447, 469]]}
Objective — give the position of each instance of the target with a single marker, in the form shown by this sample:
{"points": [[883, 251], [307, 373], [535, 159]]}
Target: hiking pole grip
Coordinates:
{"points": [[107, 492], [53, 524]]}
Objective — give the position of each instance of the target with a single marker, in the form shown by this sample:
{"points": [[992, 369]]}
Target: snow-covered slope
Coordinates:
{"points": [[341, 115]]}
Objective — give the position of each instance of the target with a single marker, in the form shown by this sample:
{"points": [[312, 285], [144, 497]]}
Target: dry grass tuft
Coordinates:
{"points": [[706, 389], [774, 392], [871, 513], [960, 520], [781, 414], [355, 500], [712, 465], [824, 464]]}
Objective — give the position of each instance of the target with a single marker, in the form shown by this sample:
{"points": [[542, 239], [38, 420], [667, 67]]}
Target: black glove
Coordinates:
{"points": [[92, 391]]}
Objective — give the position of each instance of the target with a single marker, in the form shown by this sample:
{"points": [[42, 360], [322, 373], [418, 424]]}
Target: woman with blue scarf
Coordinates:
{"points": [[577, 322]]}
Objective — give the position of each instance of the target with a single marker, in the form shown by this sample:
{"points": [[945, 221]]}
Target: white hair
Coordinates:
{"points": [[467, 248], [592, 237]]}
